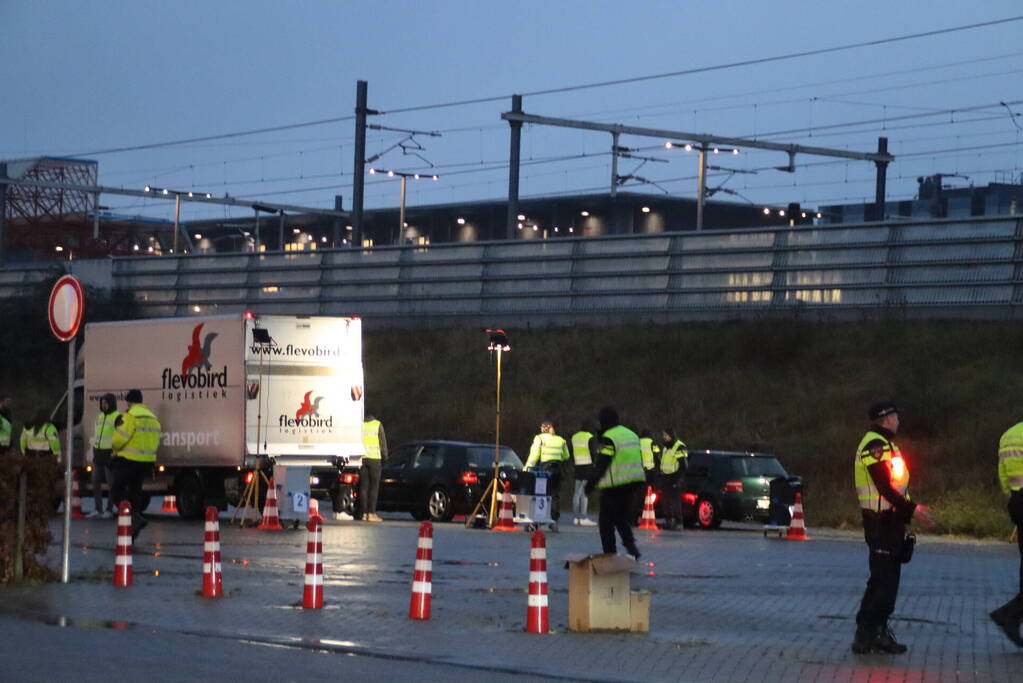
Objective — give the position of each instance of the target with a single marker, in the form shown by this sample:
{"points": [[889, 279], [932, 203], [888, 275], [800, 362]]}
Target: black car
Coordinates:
{"points": [[730, 485], [437, 480]]}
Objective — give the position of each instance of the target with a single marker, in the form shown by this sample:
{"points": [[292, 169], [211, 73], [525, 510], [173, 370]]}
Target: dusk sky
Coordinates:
{"points": [[86, 77]]}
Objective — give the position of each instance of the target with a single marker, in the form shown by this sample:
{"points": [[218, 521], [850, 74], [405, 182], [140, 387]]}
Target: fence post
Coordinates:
{"points": [[19, 541]]}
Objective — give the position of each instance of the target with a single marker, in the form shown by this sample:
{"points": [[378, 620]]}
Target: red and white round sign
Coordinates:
{"points": [[67, 304]]}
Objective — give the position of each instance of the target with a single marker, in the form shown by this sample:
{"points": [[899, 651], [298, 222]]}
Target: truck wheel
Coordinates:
{"points": [[438, 506], [188, 490], [708, 516]]}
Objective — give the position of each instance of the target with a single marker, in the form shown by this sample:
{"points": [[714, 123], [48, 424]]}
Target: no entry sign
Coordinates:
{"points": [[67, 304]]}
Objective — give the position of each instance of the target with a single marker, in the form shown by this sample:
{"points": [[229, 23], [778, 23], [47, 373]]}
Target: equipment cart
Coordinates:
{"points": [[532, 504]]}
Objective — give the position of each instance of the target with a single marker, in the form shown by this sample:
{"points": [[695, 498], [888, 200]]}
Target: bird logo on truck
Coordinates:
{"points": [[197, 379], [198, 357], [307, 417]]}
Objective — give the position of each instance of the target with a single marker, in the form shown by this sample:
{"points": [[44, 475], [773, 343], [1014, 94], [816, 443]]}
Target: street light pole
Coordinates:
{"points": [[401, 212], [177, 218], [701, 190]]}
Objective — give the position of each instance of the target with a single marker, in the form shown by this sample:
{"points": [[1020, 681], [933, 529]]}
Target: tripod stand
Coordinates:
{"points": [[491, 495]]}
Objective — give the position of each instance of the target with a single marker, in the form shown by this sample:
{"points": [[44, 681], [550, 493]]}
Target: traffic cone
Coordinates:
{"points": [[536, 609], [122, 558], [797, 530], [76, 499], [648, 521], [270, 519], [312, 595], [506, 518], [170, 504], [212, 582], [314, 509], [422, 575]]}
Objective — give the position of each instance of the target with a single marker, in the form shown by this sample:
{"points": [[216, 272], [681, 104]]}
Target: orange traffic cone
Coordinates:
{"points": [[422, 575], [170, 504], [270, 519], [312, 595], [797, 530], [536, 606], [212, 581], [314, 509], [648, 521], [122, 558], [76, 499], [506, 518]]}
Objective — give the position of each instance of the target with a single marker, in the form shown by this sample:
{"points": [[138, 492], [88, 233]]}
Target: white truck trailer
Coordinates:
{"points": [[232, 391]]}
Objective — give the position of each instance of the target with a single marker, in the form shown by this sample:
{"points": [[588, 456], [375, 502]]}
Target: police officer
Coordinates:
{"points": [[1010, 475], [617, 472], [39, 437], [6, 422], [582, 466], [102, 437], [549, 451], [673, 466], [374, 443], [882, 485], [133, 445]]}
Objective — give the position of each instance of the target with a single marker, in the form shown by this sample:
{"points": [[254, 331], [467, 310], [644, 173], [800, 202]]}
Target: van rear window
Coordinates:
{"points": [[482, 457]]}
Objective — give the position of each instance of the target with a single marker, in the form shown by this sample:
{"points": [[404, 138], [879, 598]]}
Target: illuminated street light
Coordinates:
{"points": [[645, 209], [404, 177], [191, 194]]}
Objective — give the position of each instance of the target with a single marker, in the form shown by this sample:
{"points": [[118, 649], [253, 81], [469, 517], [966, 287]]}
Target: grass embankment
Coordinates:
{"points": [[797, 389]]}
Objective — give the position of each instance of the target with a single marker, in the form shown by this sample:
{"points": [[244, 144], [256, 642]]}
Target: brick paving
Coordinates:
{"points": [[728, 605]]}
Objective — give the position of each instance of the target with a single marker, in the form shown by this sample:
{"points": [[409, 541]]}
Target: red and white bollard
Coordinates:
{"points": [[312, 596], [170, 504], [212, 582], [76, 499], [122, 558], [536, 610], [422, 576], [314, 509], [506, 518]]}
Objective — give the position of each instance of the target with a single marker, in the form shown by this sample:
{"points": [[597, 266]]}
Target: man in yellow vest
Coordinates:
{"points": [[582, 468], [1010, 476], [882, 486], [674, 462], [548, 452], [617, 472], [134, 444], [374, 443], [39, 437], [102, 438], [6, 422]]}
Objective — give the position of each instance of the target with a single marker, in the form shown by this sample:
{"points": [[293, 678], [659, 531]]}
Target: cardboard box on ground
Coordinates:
{"points": [[599, 595]]}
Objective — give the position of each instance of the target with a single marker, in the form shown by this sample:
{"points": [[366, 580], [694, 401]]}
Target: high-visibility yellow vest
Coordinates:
{"points": [[1010, 459], [105, 428], [870, 498], [581, 449], [43, 438], [547, 448], [671, 456], [626, 458], [371, 439], [138, 435], [646, 450], [5, 432]]}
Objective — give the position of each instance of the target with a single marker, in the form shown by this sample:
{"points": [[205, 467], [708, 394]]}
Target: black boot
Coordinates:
{"points": [[867, 641], [1008, 618], [888, 643]]}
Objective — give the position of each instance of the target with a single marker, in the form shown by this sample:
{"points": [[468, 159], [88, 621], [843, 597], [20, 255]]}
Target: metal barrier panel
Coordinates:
{"points": [[957, 264]]}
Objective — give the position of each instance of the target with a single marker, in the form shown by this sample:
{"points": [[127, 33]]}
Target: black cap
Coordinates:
{"points": [[879, 409], [133, 396]]}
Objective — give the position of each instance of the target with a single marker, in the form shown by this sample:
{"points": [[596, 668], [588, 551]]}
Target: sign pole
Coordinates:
{"points": [[68, 442], [65, 310]]}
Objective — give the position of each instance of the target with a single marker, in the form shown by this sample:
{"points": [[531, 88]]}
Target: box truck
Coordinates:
{"points": [[233, 393]]}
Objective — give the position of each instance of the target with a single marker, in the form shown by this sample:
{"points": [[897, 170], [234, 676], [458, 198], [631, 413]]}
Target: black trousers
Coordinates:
{"points": [[615, 514], [126, 484], [1016, 513], [369, 484], [884, 535], [669, 486]]}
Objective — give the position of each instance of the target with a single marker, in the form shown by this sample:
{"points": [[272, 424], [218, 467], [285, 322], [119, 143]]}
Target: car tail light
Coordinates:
{"points": [[469, 477], [653, 497], [248, 477], [349, 478], [689, 498], [733, 485]]}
